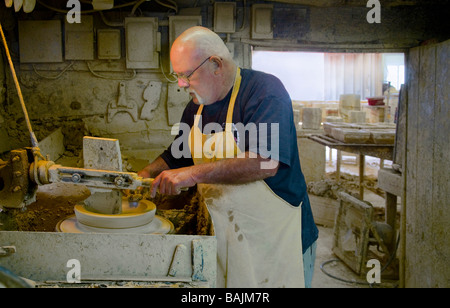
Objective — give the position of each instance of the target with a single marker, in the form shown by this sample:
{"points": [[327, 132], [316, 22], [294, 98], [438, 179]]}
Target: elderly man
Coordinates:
{"points": [[257, 197]]}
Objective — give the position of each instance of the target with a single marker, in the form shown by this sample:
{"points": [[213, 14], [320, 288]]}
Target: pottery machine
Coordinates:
{"points": [[112, 256]]}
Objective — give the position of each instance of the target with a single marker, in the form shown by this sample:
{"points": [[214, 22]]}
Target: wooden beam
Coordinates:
{"points": [[355, 3]]}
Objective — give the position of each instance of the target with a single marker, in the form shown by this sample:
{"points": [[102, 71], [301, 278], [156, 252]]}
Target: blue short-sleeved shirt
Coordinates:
{"points": [[262, 104]]}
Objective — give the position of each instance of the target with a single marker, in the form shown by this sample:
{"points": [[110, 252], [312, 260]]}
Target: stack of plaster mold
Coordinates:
{"points": [[332, 112], [377, 133], [384, 134], [312, 118], [347, 104], [357, 116], [297, 108], [296, 118], [333, 119]]}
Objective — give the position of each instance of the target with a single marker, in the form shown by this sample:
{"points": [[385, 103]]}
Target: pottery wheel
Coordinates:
{"points": [[159, 225]]}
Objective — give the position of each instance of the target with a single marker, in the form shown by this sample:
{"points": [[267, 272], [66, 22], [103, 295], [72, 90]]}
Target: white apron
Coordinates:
{"points": [[258, 233]]}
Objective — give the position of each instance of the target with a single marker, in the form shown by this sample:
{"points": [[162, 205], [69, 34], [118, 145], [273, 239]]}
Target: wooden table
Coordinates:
{"points": [[382, 151]]}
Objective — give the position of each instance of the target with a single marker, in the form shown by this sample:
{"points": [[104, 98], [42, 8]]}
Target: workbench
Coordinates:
{"points": [[382, 151]]}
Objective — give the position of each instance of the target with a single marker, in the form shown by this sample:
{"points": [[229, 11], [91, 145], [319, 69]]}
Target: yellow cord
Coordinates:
{"points": [[19, 91]]}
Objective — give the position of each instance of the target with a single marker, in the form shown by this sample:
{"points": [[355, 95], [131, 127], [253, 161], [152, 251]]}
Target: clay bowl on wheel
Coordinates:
{"points": [[133, 214]]}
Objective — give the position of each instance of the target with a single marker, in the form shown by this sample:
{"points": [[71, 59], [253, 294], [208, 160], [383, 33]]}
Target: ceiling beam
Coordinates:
{"points": [[343, 3]]}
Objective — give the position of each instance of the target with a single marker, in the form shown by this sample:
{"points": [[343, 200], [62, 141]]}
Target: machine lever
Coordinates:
{"points": [[102, 179]]}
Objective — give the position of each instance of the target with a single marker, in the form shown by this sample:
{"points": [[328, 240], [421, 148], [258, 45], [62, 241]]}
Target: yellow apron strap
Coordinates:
{"points": [[197, 116], [237, 85]]}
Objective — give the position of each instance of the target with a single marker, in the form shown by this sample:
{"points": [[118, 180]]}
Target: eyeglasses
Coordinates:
{"points": [[185, 78]]}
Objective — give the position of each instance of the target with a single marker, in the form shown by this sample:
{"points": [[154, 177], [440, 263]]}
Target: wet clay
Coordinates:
{"points": [[53, 203]]}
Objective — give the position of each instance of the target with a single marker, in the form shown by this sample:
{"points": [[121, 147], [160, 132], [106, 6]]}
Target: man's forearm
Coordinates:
{"points": [[243, 169], [154, 168], [239, 170]]}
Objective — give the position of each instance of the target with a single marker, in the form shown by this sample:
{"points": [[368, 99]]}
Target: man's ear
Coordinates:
{"points": [[218, 63]]}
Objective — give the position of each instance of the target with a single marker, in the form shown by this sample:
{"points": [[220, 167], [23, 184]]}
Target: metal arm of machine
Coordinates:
{"points": [[21, 175], [48, 172]]}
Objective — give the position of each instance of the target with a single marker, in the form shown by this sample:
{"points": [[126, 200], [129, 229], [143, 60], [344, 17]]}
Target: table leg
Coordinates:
{"points": [[362, 164], [391, 216], [330, 156], [338, 166]]}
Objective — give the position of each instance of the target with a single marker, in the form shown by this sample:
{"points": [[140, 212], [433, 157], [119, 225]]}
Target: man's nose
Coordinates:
{"points": [[182, 83]]}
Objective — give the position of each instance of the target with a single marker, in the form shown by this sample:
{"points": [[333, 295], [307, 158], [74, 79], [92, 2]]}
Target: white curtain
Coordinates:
{"points": [[351, 73]]}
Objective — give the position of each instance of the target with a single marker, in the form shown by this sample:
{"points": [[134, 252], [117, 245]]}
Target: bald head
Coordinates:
{"points": [[202, 55], [201, 42]]}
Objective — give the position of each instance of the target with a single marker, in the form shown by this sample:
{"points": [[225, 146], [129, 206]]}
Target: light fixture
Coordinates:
{"points": [[27, 5]]}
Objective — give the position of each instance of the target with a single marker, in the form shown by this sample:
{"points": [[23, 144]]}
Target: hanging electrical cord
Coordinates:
{"points": [[243, 17], [84, 12], [133, 10], [133, 74], [164, 74], [172, 6], [52, 77], [110, 23]]}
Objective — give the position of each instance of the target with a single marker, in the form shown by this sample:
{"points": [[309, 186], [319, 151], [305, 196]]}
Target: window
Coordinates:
{"points": [[394, 69], [301, 73], [325, 76]]}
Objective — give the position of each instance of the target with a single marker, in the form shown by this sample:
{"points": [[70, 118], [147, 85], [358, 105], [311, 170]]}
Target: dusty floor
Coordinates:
{"points": [[52, 199]]}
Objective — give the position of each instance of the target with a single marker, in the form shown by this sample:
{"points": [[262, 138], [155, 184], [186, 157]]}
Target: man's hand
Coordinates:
{"points": [[170, 182]]}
